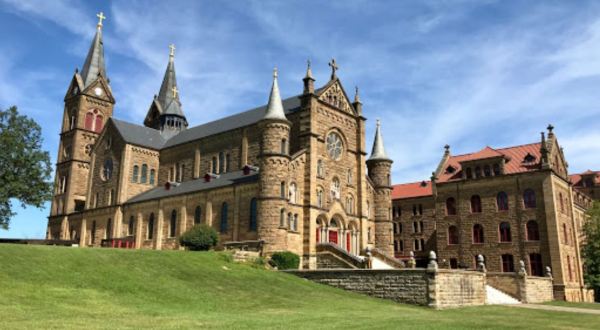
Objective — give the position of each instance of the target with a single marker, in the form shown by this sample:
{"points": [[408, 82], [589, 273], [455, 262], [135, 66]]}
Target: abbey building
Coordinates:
{"points": [[289, 174]]}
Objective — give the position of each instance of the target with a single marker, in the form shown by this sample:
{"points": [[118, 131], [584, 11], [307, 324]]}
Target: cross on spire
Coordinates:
{"points": [[275, 74], [101, 17], [175, 91], [334, 68], [172, 48]]}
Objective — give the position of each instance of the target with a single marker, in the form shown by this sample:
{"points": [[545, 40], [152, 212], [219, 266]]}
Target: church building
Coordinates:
{"points": [[287, 175]]}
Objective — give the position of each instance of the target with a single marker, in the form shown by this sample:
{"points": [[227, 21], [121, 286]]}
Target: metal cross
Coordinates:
{"points": [[175, 91], [101, 17], [172, 47], [334, 67]]}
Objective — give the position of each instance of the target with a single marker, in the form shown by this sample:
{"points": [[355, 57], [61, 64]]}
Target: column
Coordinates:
{"points": [[82, 233], [139, 224], [182, 220], [159, 229]]}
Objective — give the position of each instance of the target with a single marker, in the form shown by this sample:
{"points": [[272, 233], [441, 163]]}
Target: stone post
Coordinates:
{"points": [[411, 261], [82, 233], [549, 272], [481, 264], [522, 282], [369, 258], [433, 265], [432, 269]]}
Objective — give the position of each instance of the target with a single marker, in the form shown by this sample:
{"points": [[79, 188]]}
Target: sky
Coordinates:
{"points": [[465, 73]]}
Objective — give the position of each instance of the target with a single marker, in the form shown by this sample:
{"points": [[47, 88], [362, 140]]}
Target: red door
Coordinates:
{"points": [[348, 242], [333, 237]]}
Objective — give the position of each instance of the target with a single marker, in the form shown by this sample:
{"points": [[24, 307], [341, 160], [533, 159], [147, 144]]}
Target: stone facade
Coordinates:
{"points": [[291, 182]]}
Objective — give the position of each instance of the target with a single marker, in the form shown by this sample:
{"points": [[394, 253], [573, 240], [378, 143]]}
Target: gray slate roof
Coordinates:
{"points": [[94, 62], [139, 135], [186, 187]]}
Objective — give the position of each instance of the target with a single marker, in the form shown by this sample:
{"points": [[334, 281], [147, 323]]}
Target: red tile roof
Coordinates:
{"points": [[576, 178], [412, 190], [514, 160]]}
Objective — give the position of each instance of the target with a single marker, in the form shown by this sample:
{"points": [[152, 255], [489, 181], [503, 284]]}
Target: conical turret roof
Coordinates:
{"points": [[378, 151], [168, 96], [275, 106], [94, 62]]}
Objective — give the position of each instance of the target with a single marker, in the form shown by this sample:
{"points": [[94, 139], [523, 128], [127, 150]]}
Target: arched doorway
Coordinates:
{"points": [[333, 232]]}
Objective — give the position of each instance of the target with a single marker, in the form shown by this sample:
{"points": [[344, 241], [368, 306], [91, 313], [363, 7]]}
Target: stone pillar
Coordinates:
{"points": [[82, 233], [197, 163], [432, 290], [139, 236], [64, 228], [159, 229], [182, 220]]}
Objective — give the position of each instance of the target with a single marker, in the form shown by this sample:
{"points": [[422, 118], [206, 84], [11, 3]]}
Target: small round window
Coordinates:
{"points": [[334, 146], [107, 169]]}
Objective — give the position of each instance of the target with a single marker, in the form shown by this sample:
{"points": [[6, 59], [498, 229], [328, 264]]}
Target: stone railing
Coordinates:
{"points": [[331, 256], [527, 289], [388, 259], [254, 246]]}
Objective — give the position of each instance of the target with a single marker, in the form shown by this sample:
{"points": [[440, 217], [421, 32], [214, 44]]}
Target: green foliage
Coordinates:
{"points": [[591, 248], [259, 262], [285, 260], [24, 167], [199, 238], [226, 256]]}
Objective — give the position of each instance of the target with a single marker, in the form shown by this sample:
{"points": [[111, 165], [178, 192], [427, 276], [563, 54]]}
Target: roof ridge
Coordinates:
{"points": [[408, 183], [496, 149]]}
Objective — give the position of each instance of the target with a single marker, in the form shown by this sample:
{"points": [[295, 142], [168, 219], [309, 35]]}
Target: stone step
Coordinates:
{"points": [[497, 297]]}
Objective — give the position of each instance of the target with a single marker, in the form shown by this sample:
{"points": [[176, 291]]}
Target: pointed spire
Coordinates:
{"points": [[309, 81], [94, 62], [275, 106], [356, 96], [308, 71], [168, 96], [378, 151]]}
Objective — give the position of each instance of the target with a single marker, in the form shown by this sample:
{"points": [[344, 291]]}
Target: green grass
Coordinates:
{"points": [[59, 287], [575, 305]]}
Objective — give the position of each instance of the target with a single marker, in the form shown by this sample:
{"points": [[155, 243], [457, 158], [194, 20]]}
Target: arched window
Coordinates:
{"points": [[349, 205], [108, 233], [319, 197], [107, 169], [561, 202], [320, 171], [134, 176], [335, 188], [469, 173], [290, 221], [452, 235], [152, 175], [502, 201], [98, 125], [227, 163], [487, 171], [213, 166], [529, 199], [89, 121], [224, 218], [221, 162], [477, 234], [508, 265], [349, 176], [282, 218], [253, 214], [565, 234], [131, 227], [475, 204], [451, 206], [504, 229], [533, 233], [295, 222], [496, 169], [198, 215], [150, 232], [144, 176], [293, 194], [173, 224], [283, 146], [282, 189]]}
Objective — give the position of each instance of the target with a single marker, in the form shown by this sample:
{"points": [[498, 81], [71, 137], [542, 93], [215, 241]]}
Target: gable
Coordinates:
{"points": [[557, 159], [99, 89], [334, 95], [75, 86]]}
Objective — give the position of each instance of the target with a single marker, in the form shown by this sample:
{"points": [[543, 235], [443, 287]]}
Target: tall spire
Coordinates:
{"points": [[275, 106], [168, 96], [94, 62], [378, 151]]}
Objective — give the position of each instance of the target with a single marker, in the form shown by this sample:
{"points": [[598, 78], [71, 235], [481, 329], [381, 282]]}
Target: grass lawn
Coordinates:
{"points": [[575, 305], [60, 287]]}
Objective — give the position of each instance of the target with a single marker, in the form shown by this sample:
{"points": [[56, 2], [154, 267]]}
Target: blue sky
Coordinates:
{"points": [[466, 73]]}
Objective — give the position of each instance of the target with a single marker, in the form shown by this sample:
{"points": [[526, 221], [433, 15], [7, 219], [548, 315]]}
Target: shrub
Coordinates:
{"points": [[199, 238], [285, 260]]}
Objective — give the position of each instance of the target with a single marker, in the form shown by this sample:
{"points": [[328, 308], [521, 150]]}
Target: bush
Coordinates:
{"points": [[285, 260], [199, 238]]}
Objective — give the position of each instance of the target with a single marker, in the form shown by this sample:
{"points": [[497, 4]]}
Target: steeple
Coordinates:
{"points": [[165, 112], [94, 62], [275, 106], [378, 152]]}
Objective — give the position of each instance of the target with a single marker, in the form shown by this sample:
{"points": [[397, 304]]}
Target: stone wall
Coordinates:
{"points": [[505, 282], [437, 289], [537, 290]]}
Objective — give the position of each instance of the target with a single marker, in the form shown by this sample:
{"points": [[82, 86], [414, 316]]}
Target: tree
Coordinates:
{"points": [[591, 249], [199, 238], [24, 167]]}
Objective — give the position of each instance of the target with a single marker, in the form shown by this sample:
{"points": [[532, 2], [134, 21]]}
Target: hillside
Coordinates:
{"points": [[59, 287]]}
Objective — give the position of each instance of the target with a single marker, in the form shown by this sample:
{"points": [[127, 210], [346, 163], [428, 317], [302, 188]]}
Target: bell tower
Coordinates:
{"points": [[88, 105]]}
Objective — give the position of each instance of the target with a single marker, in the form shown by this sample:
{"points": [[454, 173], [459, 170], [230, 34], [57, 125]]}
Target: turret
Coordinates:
{"points": [[309, 81], [273, 183], [165, 113], [357, 103], [379, 166]]}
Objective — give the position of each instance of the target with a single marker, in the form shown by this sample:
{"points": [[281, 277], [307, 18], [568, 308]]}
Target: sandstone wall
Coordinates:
{"points": [[505, 282], [537, 290]]}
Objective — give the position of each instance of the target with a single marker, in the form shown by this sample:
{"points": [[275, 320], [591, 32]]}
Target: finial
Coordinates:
{"points": [[447, 147], [356, 96], [377, 122], [334, 68], [275, 74], [101, 17], [550, 128], [175, 91], [172, 50], [308, 70]]}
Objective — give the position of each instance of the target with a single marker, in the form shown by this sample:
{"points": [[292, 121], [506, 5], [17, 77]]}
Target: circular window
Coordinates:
{"points": [[107, 169], [334, 146]]}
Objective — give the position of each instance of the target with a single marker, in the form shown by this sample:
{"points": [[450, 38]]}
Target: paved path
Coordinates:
{"points": [[559, 308]]}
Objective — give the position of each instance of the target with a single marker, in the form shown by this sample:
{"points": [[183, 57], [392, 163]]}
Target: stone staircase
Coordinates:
{"points": [[497, 297]]}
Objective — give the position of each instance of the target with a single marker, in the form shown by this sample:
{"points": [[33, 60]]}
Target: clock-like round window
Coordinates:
{"points": [[334, 146]]}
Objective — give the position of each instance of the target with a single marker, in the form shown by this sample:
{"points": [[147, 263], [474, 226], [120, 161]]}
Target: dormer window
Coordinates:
{"points": [[529, 158], [450, 169]]}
